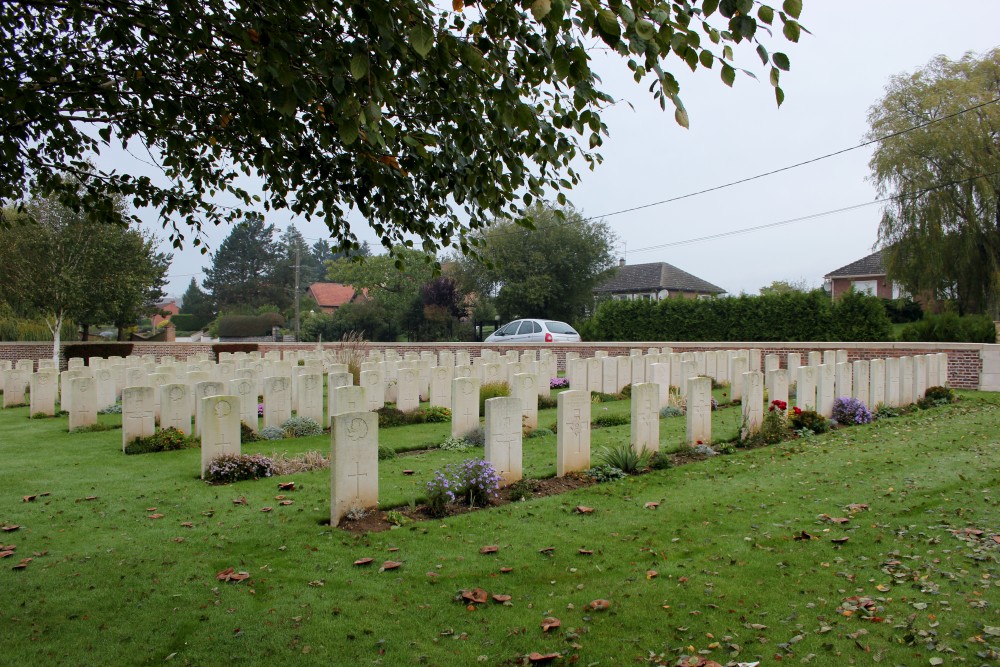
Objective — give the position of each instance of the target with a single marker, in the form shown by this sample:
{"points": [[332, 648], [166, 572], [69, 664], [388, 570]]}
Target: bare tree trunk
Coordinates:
{"points": [[56, 330]]}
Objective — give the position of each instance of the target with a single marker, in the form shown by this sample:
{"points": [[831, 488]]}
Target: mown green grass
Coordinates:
{"points": [[114, 587]]}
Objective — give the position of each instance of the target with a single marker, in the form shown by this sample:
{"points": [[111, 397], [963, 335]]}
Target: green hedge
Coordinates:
{"points": [[795, 316], [243, 326], [189, 322], [950, 328], [19, 330]]}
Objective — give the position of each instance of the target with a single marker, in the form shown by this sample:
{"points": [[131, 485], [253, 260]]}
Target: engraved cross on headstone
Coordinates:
{"points": [[357, 477]]}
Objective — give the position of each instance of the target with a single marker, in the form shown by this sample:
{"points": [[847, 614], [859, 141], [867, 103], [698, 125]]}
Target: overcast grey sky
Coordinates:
{"points": [[837, 73]]}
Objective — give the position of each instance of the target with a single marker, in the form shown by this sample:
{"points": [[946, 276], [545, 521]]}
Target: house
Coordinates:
{"points": [[168, 306], [867, 275], [331, 296], [655, 281]]}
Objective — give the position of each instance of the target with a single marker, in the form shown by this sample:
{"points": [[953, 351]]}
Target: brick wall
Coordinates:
{"points": [[965, 360]]}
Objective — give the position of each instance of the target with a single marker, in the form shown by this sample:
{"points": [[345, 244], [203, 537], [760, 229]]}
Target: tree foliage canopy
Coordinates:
{"points": [[941, 231], [424, 120], [548, 271], [242, 268]]}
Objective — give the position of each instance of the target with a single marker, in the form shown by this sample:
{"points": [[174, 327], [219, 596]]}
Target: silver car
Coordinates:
{"points": [[534, 331]]}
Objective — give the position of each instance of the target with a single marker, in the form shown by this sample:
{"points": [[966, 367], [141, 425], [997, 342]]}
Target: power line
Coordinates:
{"points": [[812, 216]]}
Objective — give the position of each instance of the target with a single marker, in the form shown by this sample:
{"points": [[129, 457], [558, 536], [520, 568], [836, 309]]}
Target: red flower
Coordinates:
{"points": [[797, 410], [700, 442]]}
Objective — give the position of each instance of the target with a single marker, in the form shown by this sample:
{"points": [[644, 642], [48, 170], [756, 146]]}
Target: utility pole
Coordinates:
{"points": [[298, 263]]}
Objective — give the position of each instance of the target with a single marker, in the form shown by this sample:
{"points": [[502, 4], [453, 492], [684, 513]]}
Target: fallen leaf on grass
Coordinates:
{"points": [[600, 605], [501, 598], [150, 509], [155, 516], [652, 574], [996, 538], [546, 657], [651, 505], [286, 486], [230, 574], [178, 540], [287, 502], [91, 498], [840, 540], [475, 595], [7, 553], [28, 499], [187, 524], [583, 509], [489, 549], [409, 472], [9, 528], [585, 552], [364, 561], [266, 509], [242, 500], [23, 564], [390, 565], [546, 550], [550, 622], [279, 497], [834, 519], [506, 570], [857, 507], [804, 536]]}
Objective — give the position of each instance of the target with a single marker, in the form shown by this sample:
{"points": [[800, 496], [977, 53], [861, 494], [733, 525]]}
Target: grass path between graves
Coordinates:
{"points": [[713, 569]]}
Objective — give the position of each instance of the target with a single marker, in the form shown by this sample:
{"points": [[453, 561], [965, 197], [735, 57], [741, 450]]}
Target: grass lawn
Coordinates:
{"points": [[109, 584]]}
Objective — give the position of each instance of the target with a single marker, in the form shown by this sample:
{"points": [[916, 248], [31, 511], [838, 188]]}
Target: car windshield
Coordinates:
{"points": [[560, 328]]}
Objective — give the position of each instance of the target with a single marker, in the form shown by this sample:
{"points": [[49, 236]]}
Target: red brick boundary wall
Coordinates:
{"points": [[970, 365]]}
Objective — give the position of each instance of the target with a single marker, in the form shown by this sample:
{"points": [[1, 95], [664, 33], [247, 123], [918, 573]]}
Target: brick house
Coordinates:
{"points": [[168, 306], [331, 296], [867, 275], [654, 281]]}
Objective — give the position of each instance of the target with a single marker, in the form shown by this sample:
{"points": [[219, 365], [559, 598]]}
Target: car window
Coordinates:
{"points": [[559, 328], [509, 330], [536, 327], [525, 328]]}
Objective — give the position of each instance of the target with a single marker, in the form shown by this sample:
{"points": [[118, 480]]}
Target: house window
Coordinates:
{"points": [[869, 287]]}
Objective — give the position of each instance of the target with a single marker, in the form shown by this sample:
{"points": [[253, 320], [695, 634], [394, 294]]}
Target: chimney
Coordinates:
{"points": [[621, 262]]}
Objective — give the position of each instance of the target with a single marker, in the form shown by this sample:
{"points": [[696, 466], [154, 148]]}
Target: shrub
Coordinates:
{"points": [[774, 427], [164, 440], [474, 481], [301, 427], [246, 326], [625, 458], [477, 436], [809, 420], [883, 411], [601, 397], [115, 409], [434, 414], [540, 433], [605, 473], [440, 493], [397, 518], [456, 445], [389, 416], [247, 434], [522, 489], [602, 421], [558, 383], [671, 411], [89, 428], [935, 396], [272, 433], [491, 390], [901, 311], [950, 328], [385, 453], [547, 402], [659, 461], [229, 468], [849, 411]]}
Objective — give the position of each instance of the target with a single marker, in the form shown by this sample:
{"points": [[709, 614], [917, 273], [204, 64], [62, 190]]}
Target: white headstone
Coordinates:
{"points": [[371, 382], [43, 392], [277, 400], [906, 381], [777, 386], [826, 383], [440, 389], [815, 358], [876, 383], [84, 402], [15, 381], [737, 367], [844, 379], [862, 369], [659, 374], [942, 369], [919, 376], [573, 432], [623, 374], [752, 402], [893, 397], [504, 437], [220, 427], [524, 388], [464, 406], [105, 381], [311, 397], [699, 411], [353, 463], [688, 370], [645, 426], [199, 391], [138, 415], [408, 389], [805, 389], [794, 362], [246, 390], [595, 374]]}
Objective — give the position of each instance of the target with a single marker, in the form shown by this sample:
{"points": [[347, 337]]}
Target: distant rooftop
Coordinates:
{"points": [[655, 276], [872, 265]]}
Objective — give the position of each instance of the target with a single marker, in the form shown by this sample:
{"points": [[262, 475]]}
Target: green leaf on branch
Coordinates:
{"points": [[765, 14], [779, 95], [422, 39], [680, 113], [781, 61], [540, 9], [791, 31], [792, 7], [728, 75], [607, 21], [645, 29], [706, 58], [359, 66], [709, 6]]}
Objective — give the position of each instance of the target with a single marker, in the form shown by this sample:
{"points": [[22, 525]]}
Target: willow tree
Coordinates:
{"points": [[941, 229], [425, 119]]}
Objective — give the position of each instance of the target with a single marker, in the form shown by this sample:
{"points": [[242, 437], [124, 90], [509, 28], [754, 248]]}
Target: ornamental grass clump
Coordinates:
{"points": [[849, 411], [625, 458], [301, 427], [229, 468]]}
